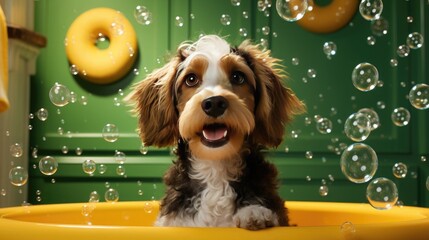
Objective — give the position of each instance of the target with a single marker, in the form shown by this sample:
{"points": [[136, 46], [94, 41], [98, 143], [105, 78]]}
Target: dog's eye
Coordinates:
{"points": [[238, 78], [191, 80]]}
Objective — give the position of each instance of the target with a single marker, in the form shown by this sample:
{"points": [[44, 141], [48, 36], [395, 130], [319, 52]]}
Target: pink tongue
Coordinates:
{"points": [[214, 133]]}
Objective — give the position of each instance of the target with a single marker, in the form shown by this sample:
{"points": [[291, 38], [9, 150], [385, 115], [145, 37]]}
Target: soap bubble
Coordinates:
{"points": [[235, 3], [64, 149], [371, 9], [225, 19], [365, 77], [308, 154], [94, 197], [357, 127], [18, 176], [415, 40], [372, 116], [382, 193], [330, 49], [324, 126], [179, 21], [89, 166], [148, 207], [59, 95], [110, 132], [323, 190], [291, 10], [16, 150], [401, 116], [48, 165], [403, 51], [371, 40], [111, 195], [359, 163], [295, 61], [311, 73], [120, 157], [142, 15], [42, 114], [74, 70], [102, 169], [78, 151], [242, 32], [120, 170], [419, 96], [400, 170], [266, 30], [379, 27]]}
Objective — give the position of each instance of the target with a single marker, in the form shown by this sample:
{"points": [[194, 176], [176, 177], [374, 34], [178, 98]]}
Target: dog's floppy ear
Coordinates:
{"points": [[154, 104], [275, 104]]}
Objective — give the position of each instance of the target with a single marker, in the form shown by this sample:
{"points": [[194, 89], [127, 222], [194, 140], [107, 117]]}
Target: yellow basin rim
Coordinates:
{"points": [[133, 220]]}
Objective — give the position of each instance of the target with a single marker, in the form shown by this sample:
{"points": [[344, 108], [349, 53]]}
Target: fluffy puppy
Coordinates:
{"points": [[221, 106]]}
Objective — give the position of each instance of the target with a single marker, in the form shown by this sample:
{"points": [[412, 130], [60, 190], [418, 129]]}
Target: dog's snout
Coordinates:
{"points": [[214, 106]]}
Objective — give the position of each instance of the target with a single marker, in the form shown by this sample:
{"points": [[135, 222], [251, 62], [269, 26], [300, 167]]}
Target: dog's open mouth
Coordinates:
{"points": [[215, 135]]}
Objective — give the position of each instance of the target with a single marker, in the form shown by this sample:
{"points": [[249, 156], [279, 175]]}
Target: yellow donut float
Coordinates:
{"points": [[101, 66], [329, 18]]}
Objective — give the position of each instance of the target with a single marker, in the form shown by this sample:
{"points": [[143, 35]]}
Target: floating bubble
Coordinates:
{"points": [[330, 49], [410, 19], [16, 150], [102, 169], [42, 114], [225, 19], [59, 95], [142, 15], [372, 115], [73, 97], [393, 62], [83, 100], [381, 105], [323, 190], [148, 207], [245, 14], [347, 229], [120, 157], [403, 51], [118, 28], [415, 40], [291, 11], [3, 192], [308, 154], [179, 21], [48, 165], [78, 151], [357, 127], [365, 77], [89, 166], [94, 197], [359, 162], [371, 40], [371, 9], [74, 70], [324, 126], [379, 27], [419, 96], [400, 170], [311, 73], [242, 32], [64, 149], [111, 195], [295, 61], [110, 132], [235, 3], [423, 158], [382, 193], [18, 176], [401, 116], [120, 170], [266, 30]]}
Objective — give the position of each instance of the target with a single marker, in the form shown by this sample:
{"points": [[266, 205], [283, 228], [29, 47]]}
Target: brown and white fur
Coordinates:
{"points": [[221, 106]]}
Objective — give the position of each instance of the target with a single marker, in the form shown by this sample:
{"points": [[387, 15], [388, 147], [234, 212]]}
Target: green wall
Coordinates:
{"points": [[330, 94]]}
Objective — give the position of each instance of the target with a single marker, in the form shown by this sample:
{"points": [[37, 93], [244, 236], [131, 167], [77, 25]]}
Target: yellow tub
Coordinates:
{"points": [[133, 220]]}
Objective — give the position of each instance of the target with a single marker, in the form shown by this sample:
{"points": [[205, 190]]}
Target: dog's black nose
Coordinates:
{"points": [[214, 106]]}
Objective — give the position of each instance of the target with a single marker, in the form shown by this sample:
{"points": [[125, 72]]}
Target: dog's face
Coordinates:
{"points": [[215, 98]]}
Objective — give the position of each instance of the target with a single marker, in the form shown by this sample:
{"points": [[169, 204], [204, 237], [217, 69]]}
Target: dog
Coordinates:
{"points": [[221, 107]]}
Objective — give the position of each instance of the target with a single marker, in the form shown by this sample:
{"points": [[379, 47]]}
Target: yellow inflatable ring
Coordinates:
{"points": [[101, 66], [328, 18]]}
